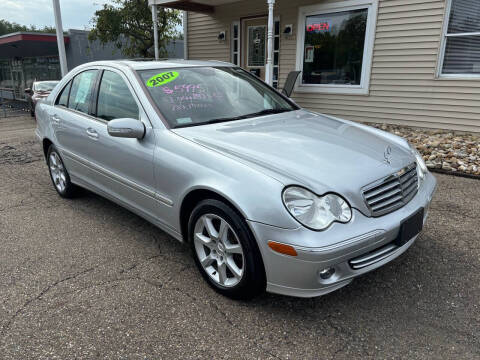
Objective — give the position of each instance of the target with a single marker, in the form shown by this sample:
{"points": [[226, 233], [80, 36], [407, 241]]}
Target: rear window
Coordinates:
{"points": [[62, 99]]}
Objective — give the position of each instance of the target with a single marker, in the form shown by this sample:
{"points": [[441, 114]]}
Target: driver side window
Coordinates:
{"points": [[115, 101]]}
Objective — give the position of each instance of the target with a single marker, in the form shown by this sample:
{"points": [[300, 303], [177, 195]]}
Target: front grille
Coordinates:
{"points": [[393, 192]]}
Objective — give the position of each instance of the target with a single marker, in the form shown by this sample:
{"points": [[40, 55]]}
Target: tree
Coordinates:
{"points": [[7, 27], [128, 24]]}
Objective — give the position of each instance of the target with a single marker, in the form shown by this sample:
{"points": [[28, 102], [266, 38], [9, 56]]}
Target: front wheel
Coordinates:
{"points": [[59, 175], [225, 251]]}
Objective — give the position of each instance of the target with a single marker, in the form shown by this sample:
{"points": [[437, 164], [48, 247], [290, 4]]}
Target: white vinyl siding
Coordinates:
{"points": [[403, 88]]}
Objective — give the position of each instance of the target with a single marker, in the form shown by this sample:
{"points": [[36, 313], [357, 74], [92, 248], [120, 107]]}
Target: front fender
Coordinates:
{"points": [[182, 166]]}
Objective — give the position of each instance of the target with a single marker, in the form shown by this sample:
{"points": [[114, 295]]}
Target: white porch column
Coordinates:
{"points": [[155, 29], [269, 66], [60, 41]]}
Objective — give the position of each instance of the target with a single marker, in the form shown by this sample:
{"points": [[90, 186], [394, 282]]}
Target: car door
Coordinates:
{"points": [[121, 167], [70, 118]]}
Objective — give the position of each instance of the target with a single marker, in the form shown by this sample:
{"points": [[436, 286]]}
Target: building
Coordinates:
{"points": [[410, 62], [26, 57]]}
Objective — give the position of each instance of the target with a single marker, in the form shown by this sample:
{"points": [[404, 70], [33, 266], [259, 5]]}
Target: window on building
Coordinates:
{"points": [[276, 53], [461, 39], [335, 46], [81, 91], [236, 43], [115, 101]]}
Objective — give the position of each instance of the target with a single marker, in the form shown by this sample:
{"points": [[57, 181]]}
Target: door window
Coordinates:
{"points": [[256, 45], [81, 92], [63, 98], [115, 101]]}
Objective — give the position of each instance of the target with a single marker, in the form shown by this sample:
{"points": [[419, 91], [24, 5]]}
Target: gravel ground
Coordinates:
{"points": [[88, 279], [443, 150]]}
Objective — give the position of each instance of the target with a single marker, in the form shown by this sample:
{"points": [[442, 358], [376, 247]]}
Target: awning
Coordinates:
{"points": [[202, 6], [27, 44]]}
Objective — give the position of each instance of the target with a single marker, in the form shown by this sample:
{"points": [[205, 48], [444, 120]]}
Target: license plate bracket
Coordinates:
{"points": [[410, 227]]}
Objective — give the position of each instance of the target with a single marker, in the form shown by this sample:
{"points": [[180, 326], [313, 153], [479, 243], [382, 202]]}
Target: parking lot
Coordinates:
{"points": [[85, 278]]}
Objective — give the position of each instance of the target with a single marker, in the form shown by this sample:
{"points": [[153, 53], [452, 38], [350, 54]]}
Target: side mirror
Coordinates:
{"points": [[28, 91], [126, 128]]}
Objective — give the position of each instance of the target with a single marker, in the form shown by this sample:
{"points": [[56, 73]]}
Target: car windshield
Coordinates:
{"points": [[206, 95], [45, 85]]}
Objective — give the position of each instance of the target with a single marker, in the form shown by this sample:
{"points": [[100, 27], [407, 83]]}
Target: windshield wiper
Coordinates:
{"points": [[214, 121], [259, 113], [267, 112], [233, 118]]}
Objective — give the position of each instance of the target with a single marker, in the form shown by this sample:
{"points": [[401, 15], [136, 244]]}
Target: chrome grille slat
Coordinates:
{"points": [[384, 196], [387, 186], [392, 192], [383, 190], [372, 257], [388, 202], [409, 184]]}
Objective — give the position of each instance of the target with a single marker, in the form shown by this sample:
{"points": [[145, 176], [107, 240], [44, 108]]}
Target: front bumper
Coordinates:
{"points": [[364, 240]]}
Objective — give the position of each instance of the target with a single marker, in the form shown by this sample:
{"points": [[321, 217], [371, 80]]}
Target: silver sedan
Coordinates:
{"points": [[268, 196]]}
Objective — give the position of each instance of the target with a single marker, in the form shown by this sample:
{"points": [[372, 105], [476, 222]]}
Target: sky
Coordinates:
{"points": [[76, 14]]}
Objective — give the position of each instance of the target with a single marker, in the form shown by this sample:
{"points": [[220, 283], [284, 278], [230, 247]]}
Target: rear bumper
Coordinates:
{"points": [[360, 246]]}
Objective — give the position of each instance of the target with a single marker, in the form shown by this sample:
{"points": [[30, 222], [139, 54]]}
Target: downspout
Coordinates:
{"points": [[185, 35], [269, 65]]}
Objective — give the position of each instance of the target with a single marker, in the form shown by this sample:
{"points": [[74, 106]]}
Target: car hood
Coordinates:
{"points": [[319, 152]]}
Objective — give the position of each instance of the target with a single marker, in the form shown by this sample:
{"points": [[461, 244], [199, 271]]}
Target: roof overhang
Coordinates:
{"points": [[202, 6], [27, 44]]}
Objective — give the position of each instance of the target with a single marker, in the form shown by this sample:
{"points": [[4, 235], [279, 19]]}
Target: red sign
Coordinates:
{"points": [[324, 26]]}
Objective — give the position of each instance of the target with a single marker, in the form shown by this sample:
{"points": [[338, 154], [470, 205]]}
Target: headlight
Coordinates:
{"points": [[421, 166], [316, 212]]}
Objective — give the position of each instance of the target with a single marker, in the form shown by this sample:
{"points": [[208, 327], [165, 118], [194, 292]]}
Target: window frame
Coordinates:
{"points": [[443, 45], [96, 87], [328, 8]]}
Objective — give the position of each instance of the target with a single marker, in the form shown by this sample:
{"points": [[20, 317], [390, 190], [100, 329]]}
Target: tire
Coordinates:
{"points": [[59, 174], [233, 264]]}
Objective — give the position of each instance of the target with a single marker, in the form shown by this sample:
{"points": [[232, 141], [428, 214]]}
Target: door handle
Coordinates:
{"points": [[92, 133], [56, 119]]}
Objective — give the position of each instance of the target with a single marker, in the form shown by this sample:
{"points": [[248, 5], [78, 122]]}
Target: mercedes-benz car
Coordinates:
{"points": [[269, 196]]}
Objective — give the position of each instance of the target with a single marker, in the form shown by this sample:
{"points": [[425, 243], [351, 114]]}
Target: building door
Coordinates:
{"points": [[255, 46], [17, 80]]}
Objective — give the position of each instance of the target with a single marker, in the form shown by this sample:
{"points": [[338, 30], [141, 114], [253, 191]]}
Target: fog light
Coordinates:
{"points": [[327, 273]]}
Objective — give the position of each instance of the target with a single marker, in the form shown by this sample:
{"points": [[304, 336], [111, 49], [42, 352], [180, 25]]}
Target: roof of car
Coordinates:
{"points": [[167, 64]]}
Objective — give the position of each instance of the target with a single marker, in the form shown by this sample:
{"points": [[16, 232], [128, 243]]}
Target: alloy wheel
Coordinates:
{"points": [[219, 250], [57, 170]]}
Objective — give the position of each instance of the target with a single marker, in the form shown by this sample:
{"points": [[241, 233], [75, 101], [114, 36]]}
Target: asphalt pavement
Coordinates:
{"points": [[87, 279]]}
